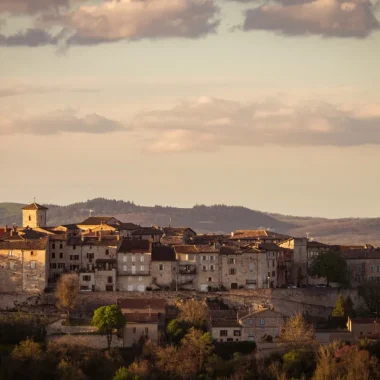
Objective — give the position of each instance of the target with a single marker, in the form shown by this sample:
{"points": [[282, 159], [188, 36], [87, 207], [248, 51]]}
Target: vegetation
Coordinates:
{"points": [[108, 319], [67, 293], [370, 292], [339, 310], [297, 333], [194, 313], [331, 266]]}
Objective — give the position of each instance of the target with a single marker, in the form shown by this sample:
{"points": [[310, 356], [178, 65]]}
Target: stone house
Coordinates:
{"points": [[133, 264], [245, 237], [224, 326], [187, 257], [23, 266], [145, 319], [152, 234], [363, 327], [98, 221], [258, 323], [363, 265], [164, 266], [185, 233], [208, 268]]}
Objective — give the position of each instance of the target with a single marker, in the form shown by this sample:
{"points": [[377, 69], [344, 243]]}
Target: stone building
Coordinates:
{"points": [[23, 266], [153, 234], [224, 326], [133, 264], [208, 268], [34, 215], [261, 322], [245, 237], [164, 267]]}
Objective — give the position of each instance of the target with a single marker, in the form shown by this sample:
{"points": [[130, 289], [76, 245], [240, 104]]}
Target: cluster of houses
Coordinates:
{"points": [[110, 255]]}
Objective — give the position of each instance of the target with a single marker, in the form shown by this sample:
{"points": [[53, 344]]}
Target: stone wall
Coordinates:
{"points": [[314, 301]]}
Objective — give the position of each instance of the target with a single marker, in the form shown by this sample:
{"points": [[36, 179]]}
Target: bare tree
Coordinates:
{"points": [[67, 293], [297, 333], [194, 312]]}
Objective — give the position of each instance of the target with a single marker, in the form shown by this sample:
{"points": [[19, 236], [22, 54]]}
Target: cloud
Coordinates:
{"points": [[31, 38], [329, 18], [31, 6], [59, 122], [209, 123], [117, 20], [26, 90]]}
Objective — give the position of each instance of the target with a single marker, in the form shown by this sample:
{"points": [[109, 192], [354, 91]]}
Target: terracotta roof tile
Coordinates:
{"points": [[34, 206]]}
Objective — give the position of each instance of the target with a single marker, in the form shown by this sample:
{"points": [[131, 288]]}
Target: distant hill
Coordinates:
{"points": [[205, 219]]}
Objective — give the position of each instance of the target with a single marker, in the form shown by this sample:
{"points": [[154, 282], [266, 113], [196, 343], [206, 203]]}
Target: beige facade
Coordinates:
{"points": [[225, 333], [34, 215], [23, 266], [137, 331], [164, 273], [208, 268], [261, 322], [363, 327]]}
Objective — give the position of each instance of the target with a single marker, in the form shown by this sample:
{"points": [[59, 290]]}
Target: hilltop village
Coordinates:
{"points": [[110, 255]]}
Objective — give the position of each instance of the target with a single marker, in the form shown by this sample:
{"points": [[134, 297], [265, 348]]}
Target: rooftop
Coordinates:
{"points": [[134, 245], [96, 220], [141, 303], [34, 206], [147, 231], [163, 253], [37, 245], [186, 249], [257, 234]]}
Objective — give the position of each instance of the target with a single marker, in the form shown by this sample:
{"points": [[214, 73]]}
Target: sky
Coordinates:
{"points": [[273, 105]]}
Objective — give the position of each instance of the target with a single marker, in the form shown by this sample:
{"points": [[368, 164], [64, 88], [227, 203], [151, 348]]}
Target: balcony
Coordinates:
{"points": [[187, 270]]}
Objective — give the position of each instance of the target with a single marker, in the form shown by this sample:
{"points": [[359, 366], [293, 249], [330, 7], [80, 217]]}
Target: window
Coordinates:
{"points": [[272, 263], [212, 258], [212, 267], [60, 245], [273, 273], [133, 259], [61, 255], [204, 258], [146, 330], [109, 279], [74, 267], [134, 330], [232, 271], [53, 265], [161, 267], [30, 218], [74, 257], [125, 268], [204, 268], [142, 258], [251, 322], [378, 269], [107, 251], [142, 268], [230, 339], [61, 265], [33, 264], [223, 332], [209, 279], [86, 278], [231, 261], [53, 255], [125, 258], [237, 333], [371, 268], [262, 321], [74, 247], [31, 253], [53, 246]]}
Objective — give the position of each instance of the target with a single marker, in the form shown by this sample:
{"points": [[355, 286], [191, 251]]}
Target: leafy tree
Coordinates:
{"points": [[370, 293], [68, 371], [108, 319], [297, 333], [349, 306], [331, 266], [123, 374], [194, 312], [297, 362], [339, 307], [27, 349], [176, 330], [67, 293]]}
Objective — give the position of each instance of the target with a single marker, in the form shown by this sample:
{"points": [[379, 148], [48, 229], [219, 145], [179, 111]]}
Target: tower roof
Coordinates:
{"points": [[34, 206]]}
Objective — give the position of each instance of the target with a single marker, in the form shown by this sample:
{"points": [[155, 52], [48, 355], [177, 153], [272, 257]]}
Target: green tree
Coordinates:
{"points": [[26, 350], [339, 307], [331, 266], [176, 330], [370, 292], [108, 319], [124, 374]]}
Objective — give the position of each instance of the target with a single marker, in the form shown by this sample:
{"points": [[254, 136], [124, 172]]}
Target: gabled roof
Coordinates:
{"points": [[261, 311], [141, 303], [206, 248], [147, 231], [224, 318], [142, 318], [271, 247], [163, 253], [186, 249], [96, 220], [172, 240], [134, 245], [257, 234], [316, 244], [127, 226], [37, 245], [34, 206], [175, 231]]}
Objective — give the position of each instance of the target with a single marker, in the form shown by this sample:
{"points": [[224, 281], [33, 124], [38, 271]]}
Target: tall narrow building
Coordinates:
{"points": [[34, 215]]}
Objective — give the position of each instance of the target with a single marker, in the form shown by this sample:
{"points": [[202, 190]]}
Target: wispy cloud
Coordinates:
{"points": [[209, 123], [32, 6], [25, 90], [60, 121]]}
